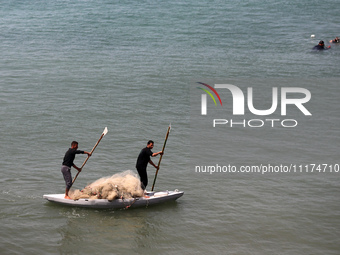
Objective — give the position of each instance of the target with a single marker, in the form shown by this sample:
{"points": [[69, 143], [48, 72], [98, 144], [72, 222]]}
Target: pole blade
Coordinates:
{"points": [[105, 131]]}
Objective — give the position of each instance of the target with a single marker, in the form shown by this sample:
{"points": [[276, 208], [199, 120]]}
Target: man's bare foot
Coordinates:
{"points": [[67, 197]]}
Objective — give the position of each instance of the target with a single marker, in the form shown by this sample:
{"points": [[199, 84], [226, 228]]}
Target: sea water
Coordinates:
{"points": [[68, 69]]}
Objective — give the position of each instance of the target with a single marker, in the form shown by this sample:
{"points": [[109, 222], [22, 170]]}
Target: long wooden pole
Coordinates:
{"points": [[160, 159], [103, 134]]}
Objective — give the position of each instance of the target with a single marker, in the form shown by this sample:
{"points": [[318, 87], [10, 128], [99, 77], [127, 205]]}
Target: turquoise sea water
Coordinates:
{"points": [[70, 68]]}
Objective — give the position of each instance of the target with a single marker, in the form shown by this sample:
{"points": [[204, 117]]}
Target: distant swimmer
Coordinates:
{"points": [[320, 46], [336, 40]]}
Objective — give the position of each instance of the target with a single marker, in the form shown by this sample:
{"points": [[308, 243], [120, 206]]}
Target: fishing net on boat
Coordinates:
{"points": [[121, 185]]}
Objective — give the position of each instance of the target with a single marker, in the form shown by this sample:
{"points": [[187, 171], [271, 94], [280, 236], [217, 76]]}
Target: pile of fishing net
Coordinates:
{"points": [[122, 185]]}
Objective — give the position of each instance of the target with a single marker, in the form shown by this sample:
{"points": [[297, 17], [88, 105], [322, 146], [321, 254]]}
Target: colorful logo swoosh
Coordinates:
{"points": [[209, 93]]}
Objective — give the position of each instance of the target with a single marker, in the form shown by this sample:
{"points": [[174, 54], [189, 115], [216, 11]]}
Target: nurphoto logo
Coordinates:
{"points": [[238, 105]]}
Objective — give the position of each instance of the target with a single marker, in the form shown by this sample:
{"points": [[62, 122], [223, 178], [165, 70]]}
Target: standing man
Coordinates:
{"points": [[143, 160], [68, 163]]}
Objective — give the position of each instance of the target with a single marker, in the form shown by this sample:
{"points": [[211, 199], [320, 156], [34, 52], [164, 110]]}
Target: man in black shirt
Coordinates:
{"points": [[320, 46], [143, 160], [336, 40], [68, 163]]}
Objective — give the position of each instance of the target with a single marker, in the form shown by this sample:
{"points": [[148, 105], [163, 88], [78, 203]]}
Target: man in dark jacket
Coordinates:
{"points": [[336, 40], [320, 46]]}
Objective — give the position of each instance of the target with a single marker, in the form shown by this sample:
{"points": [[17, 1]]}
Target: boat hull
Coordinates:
{"points": [[153, 198]]}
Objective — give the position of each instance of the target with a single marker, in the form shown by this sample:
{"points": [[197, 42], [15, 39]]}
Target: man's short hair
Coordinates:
{"points": [[150, 141], [74, 143]]}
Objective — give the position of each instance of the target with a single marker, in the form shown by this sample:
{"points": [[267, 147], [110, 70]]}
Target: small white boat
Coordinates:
{"points": [[151, 199]]}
